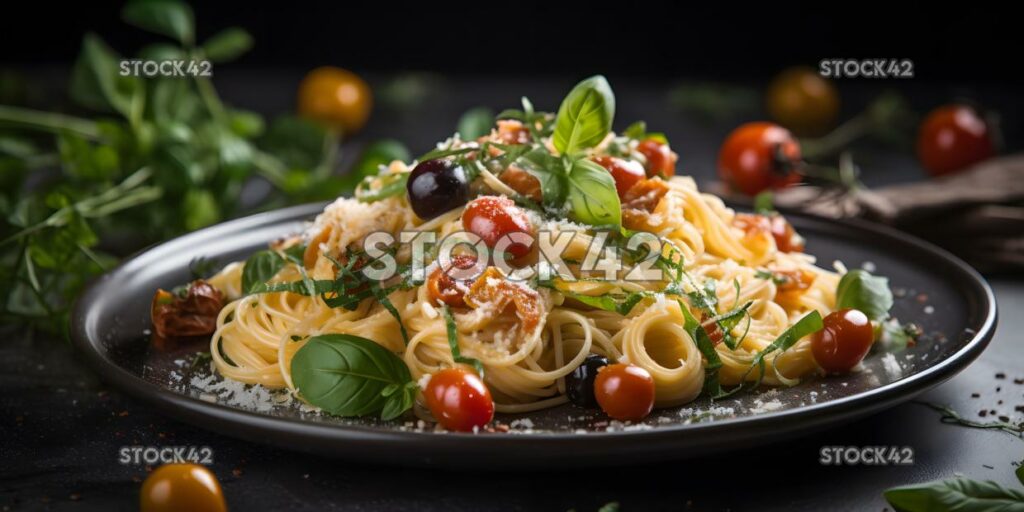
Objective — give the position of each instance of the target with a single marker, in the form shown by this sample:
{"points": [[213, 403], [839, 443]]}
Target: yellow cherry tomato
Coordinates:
{"points": [[803, 101], [177, 487], [336, 97]]}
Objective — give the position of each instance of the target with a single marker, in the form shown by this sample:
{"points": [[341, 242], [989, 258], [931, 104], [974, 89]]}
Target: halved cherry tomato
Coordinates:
{"points": [[624, 391], [442, 287], [786, 238], [522, 182], [336, 97], [626, 173], [843, 342], [661, 161], [758, 156], [953, 138], [459, 400], [493, 217], [176, 487], [803, 101]]}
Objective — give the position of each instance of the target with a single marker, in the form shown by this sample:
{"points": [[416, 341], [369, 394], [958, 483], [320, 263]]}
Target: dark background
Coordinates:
{"points": [[950, 43]]}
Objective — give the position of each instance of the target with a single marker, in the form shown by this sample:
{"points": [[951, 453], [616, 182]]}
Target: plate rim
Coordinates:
{"points": [[255, 426]]}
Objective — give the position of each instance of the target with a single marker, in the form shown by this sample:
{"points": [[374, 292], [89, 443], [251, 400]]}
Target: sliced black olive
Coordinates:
{"points": [[437, 186], [579, 385]]}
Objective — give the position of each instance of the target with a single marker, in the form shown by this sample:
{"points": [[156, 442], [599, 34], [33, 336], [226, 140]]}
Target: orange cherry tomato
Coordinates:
{"points": [[759, 156], [624, 391], [843, 342], [176, 487], [493, 217], [626, 173], [459, 400], [803, 101], [442, 287], [336, 97], [953, 138], [661, 161]]}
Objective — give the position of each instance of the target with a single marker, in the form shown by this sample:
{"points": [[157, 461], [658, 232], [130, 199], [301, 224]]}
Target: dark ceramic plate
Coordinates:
{"points": [[940, 293]]}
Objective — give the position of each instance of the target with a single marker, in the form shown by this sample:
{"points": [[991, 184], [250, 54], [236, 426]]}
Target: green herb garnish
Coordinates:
{"points": [[351, 376], [453, 342]]}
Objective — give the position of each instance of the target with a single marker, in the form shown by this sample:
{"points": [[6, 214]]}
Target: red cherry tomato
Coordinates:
{"points": [[953, 138], [175, 487], [624, 392], [625, 172], [459, 400], [493, 217], [759, 156], [661, 161], [843, 342]]}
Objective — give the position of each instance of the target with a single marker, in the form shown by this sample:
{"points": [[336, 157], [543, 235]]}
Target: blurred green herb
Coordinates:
{"points": [[475, 123], [162, 155]]}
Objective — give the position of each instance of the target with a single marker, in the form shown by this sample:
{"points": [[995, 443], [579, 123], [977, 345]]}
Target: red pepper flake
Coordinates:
{"points": [[123, 414], [1000, 375], [922, 297], [1019, 408], [1018, 381], [983, 413], [1004, 419]]}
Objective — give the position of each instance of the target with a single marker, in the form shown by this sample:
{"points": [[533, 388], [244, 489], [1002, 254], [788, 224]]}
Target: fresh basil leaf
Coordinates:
{"points": [[549, 171], [165, 17], [959, 494], [260, 268], [453, 342], [476, 123], [707, 349], [227, 45], [592, 194], [808, 324], [347, 375], [860, 290], [585, 116]]}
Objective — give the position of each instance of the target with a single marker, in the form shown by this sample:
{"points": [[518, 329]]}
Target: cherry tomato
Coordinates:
{"points": [[442, 287], [493, 217], [843, 342], [786, 238], [758, 156], [953, 138], [624, 391], [625, 172], [176, 487], [661, 161], [459, 400], [803, 101], [336, 97]]}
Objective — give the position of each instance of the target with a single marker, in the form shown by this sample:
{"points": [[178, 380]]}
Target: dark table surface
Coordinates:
{"points": [[62, 429]]}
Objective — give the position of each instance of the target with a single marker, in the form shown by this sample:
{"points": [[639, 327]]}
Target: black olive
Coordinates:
{"points": [[437, 186], [579, 385]]}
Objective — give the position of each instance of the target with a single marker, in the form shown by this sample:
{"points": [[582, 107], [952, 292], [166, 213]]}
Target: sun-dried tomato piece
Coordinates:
{"points": [[194, 314], [442, 287], [491, 289]]}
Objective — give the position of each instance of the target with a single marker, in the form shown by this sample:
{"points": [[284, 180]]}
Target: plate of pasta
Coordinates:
{"points": [[552, 292]]}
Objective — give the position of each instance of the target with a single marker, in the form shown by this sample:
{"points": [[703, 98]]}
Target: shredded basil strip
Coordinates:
{"points": [[810, 323], [453, 342], [386, 302]]}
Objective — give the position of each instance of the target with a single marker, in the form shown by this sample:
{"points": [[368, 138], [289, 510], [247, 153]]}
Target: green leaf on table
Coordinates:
{"points": [[475, 123], [165, 17], [227, 45], [592, 195], [352, 376], [585, 116], [260, 268], [960, 494], [870, 294]]}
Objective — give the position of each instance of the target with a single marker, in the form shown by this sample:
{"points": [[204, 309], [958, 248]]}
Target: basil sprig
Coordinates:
{"points": [[352, 376], [955, 494], [858, 289], [592, 194]]}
